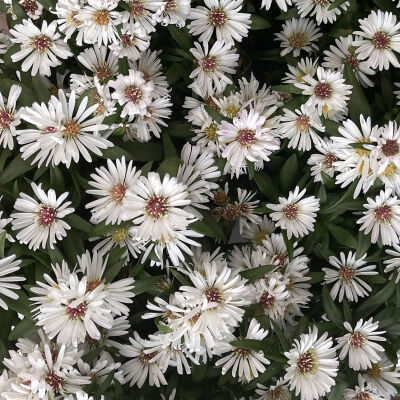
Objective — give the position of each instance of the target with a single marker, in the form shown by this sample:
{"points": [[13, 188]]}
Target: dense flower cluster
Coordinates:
{"points": [[200, 199]]}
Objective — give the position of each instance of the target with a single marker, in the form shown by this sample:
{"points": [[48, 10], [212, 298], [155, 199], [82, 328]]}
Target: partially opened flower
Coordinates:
{"points": [[8, 282]]}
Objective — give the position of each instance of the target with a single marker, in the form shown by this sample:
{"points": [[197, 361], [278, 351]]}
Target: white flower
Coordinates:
{"points": [[299, 127], [222, 15], [132, 92], [144, 13], [8, 265], [247, 363], [362, 391], [258, 231], [4, 44], [394, 261], [40, 223], [247, 138], [155, 205], [360, 344], [282, 4], [9, 117], [41, 48], [32, 8], [110, 185], [328, 93], [213, 64], [295, 214], [320, 9], [298, 34], [174, 12], [324, 161], [344, 53], [278, 391], [66, 11], [312, 365], [347, 276], [306, 66], [382, 218], [380, 38]]}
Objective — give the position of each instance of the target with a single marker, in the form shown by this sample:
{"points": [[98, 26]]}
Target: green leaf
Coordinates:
{"points": [[288, 174], [363, 244], [89, 357], [284, 342], [301, 327], [214, 114], [22, 329], [180, 129], [291, 13], [27, 96], [181, 277], [105, 385], [102, 228], [169, 166], [214, 225], [288, 244], [79, 223], [342, 236], [181, 37], [123, 66], [113, 268], [17, 167], [41, 90], [257, 345], [2, 243], [347, 312], [250, 169], [146, 284], [266, 185], [256, 273], [335, 4], [316, 277], [20, 305], [337, 391], [332, 310], [258, 22], [141, 152], [287, 89], [47, 4], [168, 146]]}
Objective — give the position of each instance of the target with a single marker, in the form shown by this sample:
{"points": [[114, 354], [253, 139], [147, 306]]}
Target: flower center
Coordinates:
{"points": [[375, 371], [71, 129], [102, 72], [133, 94], [276, 393], [54, 381], [290, 211], [211, 132], [221, 198], [346, 274], [217, 17], [231, 212], [231, 111], [213, 295], [156, 207], [120, 235], [357, 340], [381, 40], [127, 40], [29, 6], [390, 148], [171, 5], [137, 9], [383, 213], [76, 312], [329, 159], [363, 396], [323, 3], [46, 215], [5, 119], [303, 124], [93, 285], [390, 170], [266, 300], [118, 192], [246, 137], [241, 352], [259, 237], [71, 20], [307, 363], [297, 40], [209, 64], [101, 17], [352, 61], [323, 90], [145, 358], [41, 43], [281, 258]]}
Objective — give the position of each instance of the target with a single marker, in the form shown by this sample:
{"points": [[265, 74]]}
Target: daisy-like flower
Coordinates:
{"points": [[278, 391], [32, 8], [258, 231], [9, 117], [381, 375], [144, 13], [4, 44], [40, 222], [295, 214], [247, 138], [299, 127], [362, 391], [344, 53], [324, 161], [298, 34], [110, 185], [174, 12], [320, 9], [62, 134], [66, 11], [8, 285], [132, 92], [380, 39], [224, 17], [393, 262], [328, 93], [41, 48], [347, 276], [312, 365], [360, 344], [213, 64], [140, 366], [245, 362], [306, 66], [382, 218], [282, 4], [155, 205]]}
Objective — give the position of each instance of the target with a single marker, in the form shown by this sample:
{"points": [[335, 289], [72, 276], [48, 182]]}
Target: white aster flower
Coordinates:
{"points": [[174, 12], [66, 11], [306, 66], [298, 34], [382, 218], [258, 231], [277, 391], [324, 161], [9, 117], [224, 17], [394, 261], [360, 344], [32, 8], [144, 13], [320, 9], [41, 48], [295, 214], [347, 276], [380, 38], [282, 4], [8, 285], [362, 391], [312, 365], [41, 222]]}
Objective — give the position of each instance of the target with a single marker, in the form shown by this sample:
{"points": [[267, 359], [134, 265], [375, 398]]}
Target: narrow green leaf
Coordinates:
{"points": [[256, 273], [214, 114], [258, 22], [347, 312], [287, 89], [181, 37], [17, 167], [22, 329], [266, 185], [146, 284], [79, 223], [288, 244], [337, 391], [250, 169], [168, 146], [332, 310], [2, 243], [20, 305], [181, 277], [113, 269], [284, 342], [288, 174], [336, 4], [342, 236], [169, 166]]}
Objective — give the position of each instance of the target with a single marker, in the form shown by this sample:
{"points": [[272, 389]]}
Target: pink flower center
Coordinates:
{"points": [[357, 340], [346, 274], [329, 159], [281, 258], [76, 312], [381, 40], [102, 72], [145, 358], [246, 137], [213, 295], [127, 40], [323, 90], [46, 215], [241, 352], [303, 123], [5, 119], [41, 43], [171, 5], [276, 393], [209, 64], [156, 207], [118, 192], [307, 362], [383, 213], [217, 17], [137, 9], [290, 211], [297, 40], [133, 94], [363, 396], [54, 381], [353, 62], [390, 148], [323, 3], [29, 6], [266, 300]]}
